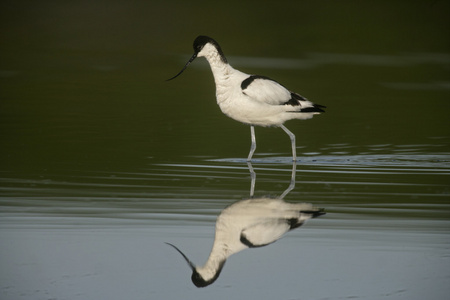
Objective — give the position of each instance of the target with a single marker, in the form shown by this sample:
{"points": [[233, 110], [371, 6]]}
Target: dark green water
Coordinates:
{"points": [[102, 161]]}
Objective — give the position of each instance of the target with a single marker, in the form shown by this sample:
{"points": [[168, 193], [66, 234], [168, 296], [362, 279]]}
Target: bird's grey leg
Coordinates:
{"points": [[292, 136], [253, 146], [292, 184], [253, 177]]}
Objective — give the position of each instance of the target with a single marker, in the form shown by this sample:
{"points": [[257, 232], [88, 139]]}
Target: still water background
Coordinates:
{"points": [[102, 161]]}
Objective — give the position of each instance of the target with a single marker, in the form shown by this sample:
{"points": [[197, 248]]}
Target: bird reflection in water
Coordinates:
{"points": [[250, 223]]}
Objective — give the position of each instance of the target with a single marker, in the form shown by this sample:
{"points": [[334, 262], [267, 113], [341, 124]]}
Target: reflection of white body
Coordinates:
{"points": [[249, 223], [252, 99]]}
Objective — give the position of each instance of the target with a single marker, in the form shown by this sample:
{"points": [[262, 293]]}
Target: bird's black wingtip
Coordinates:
{"points": [[319, 108], [314, 213], [316, 108]]}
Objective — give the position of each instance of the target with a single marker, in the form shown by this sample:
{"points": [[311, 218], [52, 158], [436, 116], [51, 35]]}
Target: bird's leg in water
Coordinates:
{"points": [[292, 136], [253, 178], [253, 146]]}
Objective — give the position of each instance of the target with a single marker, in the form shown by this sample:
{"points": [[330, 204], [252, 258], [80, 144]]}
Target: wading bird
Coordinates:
{"points": [[252, 99], [246, 224]]}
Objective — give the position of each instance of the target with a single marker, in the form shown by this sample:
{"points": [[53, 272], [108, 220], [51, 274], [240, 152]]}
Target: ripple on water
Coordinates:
{"points": [[364, 186]]}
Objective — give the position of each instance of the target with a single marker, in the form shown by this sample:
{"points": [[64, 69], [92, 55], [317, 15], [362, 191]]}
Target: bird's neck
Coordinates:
{"points": [[212, 268], [220, 69], [215, 262]]}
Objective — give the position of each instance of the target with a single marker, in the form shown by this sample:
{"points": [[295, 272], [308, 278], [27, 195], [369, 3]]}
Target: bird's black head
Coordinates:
{"points": [[200, 282], [202, 40], [199, 44]]}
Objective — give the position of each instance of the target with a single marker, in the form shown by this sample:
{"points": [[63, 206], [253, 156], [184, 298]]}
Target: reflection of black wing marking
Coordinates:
{"points": [[264, 233]]}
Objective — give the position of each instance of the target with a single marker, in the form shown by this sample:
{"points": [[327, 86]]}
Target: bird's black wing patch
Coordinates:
{"points": [[295, 100], [294, 223], [246, 82], [244, 240]]}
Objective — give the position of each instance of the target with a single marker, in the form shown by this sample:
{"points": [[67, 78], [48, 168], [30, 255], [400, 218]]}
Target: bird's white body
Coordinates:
{"points": [[261, 103], [252, 99], [252, 223]]}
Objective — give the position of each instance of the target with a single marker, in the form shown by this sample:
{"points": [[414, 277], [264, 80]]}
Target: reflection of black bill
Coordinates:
{"points": [[184, 68], [191, 265]]}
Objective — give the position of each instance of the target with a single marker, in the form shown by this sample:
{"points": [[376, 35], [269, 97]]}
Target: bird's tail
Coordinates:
{"points": [[304, 215]]}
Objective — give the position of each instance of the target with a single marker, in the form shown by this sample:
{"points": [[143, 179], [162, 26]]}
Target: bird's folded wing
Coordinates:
{"points": [[267, 91], [264, 233]]}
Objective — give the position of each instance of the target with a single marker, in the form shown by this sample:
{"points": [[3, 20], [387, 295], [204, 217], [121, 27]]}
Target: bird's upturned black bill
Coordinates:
{"points": [[184, 68]]}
